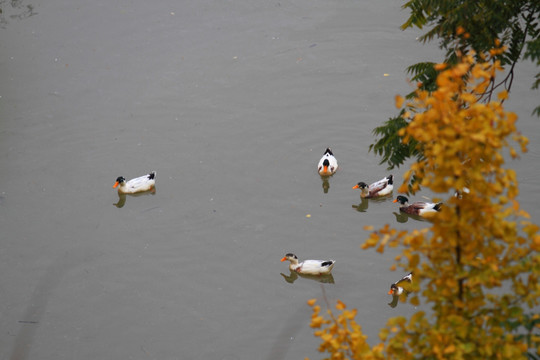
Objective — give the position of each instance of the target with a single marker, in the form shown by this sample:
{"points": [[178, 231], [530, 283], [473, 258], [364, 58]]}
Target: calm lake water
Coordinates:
{"points": [[232, 103]]}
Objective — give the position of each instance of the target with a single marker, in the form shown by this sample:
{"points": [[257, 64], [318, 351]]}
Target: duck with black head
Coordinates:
{"points": [[380, 188], [311, 267], [421, 208], [139, 184], [328, 164]]}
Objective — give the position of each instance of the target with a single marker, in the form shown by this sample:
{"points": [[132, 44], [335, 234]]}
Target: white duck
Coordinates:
{"points": [[310, 267], [382, 187], [395, 289], [142, 183], [328, 164], [417, 208]]}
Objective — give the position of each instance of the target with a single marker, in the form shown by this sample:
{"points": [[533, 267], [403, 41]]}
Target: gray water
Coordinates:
{"points": [[232, 103]]}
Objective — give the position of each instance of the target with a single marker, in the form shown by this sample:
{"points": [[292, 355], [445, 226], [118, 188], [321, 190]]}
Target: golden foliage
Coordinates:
{"points": [[480, 241], [341, 336]]}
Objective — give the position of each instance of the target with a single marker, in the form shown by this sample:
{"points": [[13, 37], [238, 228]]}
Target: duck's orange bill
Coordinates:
{"points": [[395, 200], [390, 292], [325, 168], [284, 258], [355, 187], [115, 184]]}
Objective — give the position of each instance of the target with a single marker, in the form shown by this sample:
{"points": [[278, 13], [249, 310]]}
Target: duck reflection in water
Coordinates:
{"points": [[404, 217], [122, 197], [394, 302], [325, 279], [364, 203], [325, 183], [362, 207]]}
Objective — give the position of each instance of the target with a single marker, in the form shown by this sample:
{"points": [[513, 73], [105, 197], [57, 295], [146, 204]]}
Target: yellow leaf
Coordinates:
{"points": [[403, 188], [513, 153], [340, 305], [536, 242], [311, 302], [399, 101], [470, 98], [316, 322], [440, 67], [461, 69], [450, 349], [503, 95], [383, 334]]}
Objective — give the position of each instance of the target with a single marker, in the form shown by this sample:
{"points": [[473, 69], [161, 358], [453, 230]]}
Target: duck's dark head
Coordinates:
{"points": [[401, 199], [119, 180], [290, 257], [360, 185], [394, 290]]}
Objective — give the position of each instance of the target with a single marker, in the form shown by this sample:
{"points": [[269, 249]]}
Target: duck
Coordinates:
{"points": [[417, 208], [382, 187], [395, 289], [140, 184], [328, 164], [309, 267]]}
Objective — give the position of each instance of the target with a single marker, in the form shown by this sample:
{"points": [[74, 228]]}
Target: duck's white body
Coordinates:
{"points": [[328, 164], [419, 207], [382, 187], [310, 267], [395, 289], [140, 184]]}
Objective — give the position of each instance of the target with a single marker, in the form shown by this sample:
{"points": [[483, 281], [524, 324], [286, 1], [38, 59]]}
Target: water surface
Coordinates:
{"points": [[232, 103]]}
